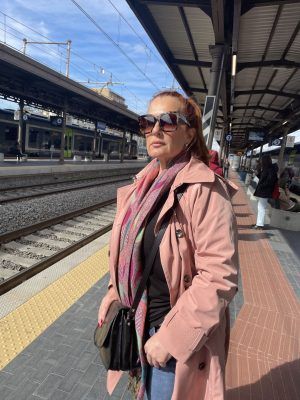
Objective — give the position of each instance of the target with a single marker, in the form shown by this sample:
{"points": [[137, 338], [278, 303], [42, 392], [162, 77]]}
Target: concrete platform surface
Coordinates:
{"points": [[46, 337], [36, 166]]}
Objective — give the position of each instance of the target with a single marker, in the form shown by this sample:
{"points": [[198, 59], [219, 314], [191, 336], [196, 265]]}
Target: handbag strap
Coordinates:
{"points": [[150, 260]]}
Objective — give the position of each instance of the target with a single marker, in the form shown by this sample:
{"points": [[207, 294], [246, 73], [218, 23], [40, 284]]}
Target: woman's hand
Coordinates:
{"points": [[110, 296], [156, 354]]}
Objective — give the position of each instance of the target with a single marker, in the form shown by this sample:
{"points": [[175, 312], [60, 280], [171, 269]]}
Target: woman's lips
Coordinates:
{"points": [[157, 144]]}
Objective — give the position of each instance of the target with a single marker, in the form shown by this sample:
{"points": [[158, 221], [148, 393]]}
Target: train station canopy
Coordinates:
{"points": [[260, 83], [22, 77]]}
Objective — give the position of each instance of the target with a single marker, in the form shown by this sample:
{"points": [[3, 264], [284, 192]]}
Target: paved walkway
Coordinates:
{"points": [[49, 340], [264, 352]]}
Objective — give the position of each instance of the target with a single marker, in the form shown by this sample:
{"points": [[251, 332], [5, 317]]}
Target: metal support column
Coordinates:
{"points": [[260, 152], [282, 150], [222, 141], [251, 157], [95, 141], [21, 126], [217, 52], [130, 144], [123, 147], [63, 134], [68, 58]]}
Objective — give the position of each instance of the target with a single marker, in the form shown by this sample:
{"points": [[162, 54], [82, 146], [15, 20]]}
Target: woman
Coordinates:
{"points": [[214, 162], [18, 150], [226, 168], [265, 187], [183, 316], [285, 201]]}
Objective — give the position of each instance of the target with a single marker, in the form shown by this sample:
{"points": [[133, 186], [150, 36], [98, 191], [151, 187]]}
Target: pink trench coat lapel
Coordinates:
{"points": [[203, 259]]}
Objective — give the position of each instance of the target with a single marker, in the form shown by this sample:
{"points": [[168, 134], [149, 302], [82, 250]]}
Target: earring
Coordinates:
{"points": [[186, 145]]}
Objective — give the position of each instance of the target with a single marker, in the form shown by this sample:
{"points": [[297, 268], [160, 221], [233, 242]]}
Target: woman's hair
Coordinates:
{"points": [[193, 113], [266, 161]]}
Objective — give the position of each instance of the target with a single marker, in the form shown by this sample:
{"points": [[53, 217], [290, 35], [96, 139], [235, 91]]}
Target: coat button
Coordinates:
{"points": [[201, 366], [179, 233], [187, 278]]}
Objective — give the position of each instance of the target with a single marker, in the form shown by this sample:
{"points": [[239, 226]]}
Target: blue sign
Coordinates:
{"points": [[101, 125], [229, 138], [276, 142], [56, 121]]}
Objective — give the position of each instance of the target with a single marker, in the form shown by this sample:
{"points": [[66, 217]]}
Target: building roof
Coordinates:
{"points": [[40, 86]]}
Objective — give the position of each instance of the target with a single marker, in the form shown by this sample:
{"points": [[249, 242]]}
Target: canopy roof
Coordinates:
{"points": [[264, 93]]}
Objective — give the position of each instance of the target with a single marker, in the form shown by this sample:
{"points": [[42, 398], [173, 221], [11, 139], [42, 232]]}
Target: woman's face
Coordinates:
{"points": [[166, 145]]}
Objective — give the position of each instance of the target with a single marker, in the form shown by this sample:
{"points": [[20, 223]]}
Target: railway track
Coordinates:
{"points": [[26, 252], [34, 191]]}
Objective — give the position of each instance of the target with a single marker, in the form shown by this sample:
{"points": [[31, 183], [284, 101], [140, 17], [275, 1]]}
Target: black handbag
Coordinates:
{"points": [[116, 339]]}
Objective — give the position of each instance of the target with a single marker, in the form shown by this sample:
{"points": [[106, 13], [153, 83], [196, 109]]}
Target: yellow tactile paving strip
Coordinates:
{"points": [[19, 328]]}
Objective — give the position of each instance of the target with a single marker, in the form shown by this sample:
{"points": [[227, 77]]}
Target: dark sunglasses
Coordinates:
{"points": [[168, 122]]}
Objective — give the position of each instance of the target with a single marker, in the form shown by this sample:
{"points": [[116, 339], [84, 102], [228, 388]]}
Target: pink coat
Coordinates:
{"points": [[201, 268]]}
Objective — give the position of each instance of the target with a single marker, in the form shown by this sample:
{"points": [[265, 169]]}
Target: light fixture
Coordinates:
{"points": [[233, 66], [285, 122], [230, 125]]}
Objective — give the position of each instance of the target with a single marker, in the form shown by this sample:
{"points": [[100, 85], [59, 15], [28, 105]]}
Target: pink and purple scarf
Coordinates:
{"points": [[130, 267]]}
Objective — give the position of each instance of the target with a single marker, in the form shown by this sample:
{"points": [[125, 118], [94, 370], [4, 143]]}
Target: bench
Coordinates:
{"points": [[88, 158], [285, 220], [77, 158]]}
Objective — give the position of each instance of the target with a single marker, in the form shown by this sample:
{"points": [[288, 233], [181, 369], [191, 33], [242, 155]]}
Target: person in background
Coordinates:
{"points": [[286, 202], [286, 177], [265, 187], [257, 169], [226, 168], [19, 153], [182, 322], [214, 162], [275, 194]]}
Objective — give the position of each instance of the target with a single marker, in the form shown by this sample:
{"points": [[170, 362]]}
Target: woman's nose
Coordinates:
{"points": [[156, 129]]}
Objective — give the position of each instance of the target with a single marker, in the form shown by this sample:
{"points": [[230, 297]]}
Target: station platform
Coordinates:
{"points": [[33, 166], [47, 323]]}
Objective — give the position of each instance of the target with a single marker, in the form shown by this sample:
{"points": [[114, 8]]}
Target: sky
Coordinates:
{"points": [[94, 57]]}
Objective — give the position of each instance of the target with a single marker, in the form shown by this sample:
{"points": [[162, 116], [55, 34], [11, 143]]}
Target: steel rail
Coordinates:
{"points": [[34, 185], [22, 276], [71, 189], [7, 237]]}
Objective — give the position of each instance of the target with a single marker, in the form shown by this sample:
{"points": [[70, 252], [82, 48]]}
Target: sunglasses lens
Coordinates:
{"points": [[168, 122], [146, 123]]}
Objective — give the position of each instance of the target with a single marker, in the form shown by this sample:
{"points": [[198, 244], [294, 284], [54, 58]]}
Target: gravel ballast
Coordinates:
{"points": [[20, 214]]}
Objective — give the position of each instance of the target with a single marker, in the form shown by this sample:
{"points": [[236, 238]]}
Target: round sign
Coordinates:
{"points": [[25, 117], [276, 142], [228, 138], [59, 121]]}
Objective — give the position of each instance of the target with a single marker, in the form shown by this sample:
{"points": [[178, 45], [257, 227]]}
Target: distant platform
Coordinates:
{"points": [[37, 166]]}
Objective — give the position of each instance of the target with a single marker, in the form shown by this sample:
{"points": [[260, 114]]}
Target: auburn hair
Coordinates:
{"points": [[193, 113]]}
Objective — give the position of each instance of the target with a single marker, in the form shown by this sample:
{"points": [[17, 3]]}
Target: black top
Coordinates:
{"points": [[158, 291], [266, 184]]}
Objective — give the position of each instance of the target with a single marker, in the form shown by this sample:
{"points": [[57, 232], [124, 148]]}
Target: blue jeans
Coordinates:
{"points": [[160, 381]]}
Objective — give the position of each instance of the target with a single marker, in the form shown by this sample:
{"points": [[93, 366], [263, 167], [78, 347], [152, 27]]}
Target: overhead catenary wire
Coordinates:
{"points": [[138, 35], [49, 52], [114, 43], [59, 53]]}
